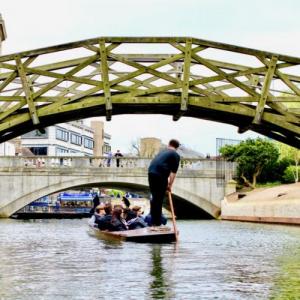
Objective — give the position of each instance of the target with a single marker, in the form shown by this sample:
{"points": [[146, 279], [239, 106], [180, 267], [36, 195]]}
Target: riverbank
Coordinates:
{"points": [[280, 204]]}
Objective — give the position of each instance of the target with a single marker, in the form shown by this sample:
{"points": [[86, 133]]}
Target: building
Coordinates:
{"points": [[73, 138], [5, 148], [2, 33], [101, 139], [150, 146]]}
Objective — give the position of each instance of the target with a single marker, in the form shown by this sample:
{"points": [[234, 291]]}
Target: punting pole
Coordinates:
{"points": [[173, 215]]}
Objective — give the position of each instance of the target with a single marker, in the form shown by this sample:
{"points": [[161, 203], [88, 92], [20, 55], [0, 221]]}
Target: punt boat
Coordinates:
{"points": [[161, 234]]}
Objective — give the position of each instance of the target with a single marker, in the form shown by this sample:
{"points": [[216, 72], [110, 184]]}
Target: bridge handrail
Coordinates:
{"points": [[45, 162]]}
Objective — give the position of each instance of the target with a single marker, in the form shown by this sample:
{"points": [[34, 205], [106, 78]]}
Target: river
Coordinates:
{"points": [[59, 259]]}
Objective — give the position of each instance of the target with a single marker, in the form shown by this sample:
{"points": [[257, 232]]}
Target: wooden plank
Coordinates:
{"points": [[105, 80], [27, 91], [265, 91], [201, 42], [186, 79]]}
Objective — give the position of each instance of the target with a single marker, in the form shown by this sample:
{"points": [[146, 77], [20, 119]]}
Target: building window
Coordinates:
{"points": [[106, 148], [76, 139], [39, 150], [88, 143], [62, 134], [61, 150], [36, 134]]}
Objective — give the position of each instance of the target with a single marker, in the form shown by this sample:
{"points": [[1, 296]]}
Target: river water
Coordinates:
{"points": [[59, 259]]}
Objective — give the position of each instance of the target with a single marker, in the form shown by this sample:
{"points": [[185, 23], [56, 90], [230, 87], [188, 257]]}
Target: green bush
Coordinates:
{"points": [[289, 174]]}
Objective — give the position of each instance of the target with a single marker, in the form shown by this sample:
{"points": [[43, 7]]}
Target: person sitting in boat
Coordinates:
{"points": [[99, 212], [127, 212], [105, 221], [117, 221], [148, 220], [138, 220]]}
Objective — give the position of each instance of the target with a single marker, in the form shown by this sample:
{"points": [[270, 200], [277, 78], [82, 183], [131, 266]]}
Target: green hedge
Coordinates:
{"points": [[289, 172]]}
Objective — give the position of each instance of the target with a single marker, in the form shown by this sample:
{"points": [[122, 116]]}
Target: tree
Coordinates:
{"points": [[252, 156], [293, 154], [136, 147]]}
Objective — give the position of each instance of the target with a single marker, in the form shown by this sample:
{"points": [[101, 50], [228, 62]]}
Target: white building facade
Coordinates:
{"points": [[7, 149], [64, 139]]}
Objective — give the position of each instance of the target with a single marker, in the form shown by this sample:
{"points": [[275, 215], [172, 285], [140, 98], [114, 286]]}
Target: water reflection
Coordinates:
{"points": [[287, 283], [159, 285]]}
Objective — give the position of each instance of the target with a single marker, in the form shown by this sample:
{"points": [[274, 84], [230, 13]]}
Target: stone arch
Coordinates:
{"points": [[139, 184]]}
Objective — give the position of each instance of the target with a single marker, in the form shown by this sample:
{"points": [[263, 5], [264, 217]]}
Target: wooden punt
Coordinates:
{"points": [[160, 234]]}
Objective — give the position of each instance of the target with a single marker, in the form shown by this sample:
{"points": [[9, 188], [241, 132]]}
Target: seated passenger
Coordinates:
{"points": [[138, 221], [128, 214], [105, 221], [148, 220], [117, 221], [99, 212]]}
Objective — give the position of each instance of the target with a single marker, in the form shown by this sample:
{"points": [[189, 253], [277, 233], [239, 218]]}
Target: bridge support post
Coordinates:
{"points": [[230, 187]]}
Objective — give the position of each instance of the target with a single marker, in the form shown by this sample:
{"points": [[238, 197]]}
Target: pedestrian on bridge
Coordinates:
{"points": [[118, 154], [161, 175]]}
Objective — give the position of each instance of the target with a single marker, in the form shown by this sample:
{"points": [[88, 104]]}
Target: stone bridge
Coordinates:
{"points": [[25, 179]]}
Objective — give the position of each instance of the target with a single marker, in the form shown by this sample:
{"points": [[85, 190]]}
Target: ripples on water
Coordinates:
{"points": [[58, 259]]}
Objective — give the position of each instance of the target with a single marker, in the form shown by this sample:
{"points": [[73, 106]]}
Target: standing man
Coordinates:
{"points": [[161, 175], [118, 154]]}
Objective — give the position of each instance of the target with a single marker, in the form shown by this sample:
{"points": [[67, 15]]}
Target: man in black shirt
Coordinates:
{"points": [[161, 175], [118, 154]]}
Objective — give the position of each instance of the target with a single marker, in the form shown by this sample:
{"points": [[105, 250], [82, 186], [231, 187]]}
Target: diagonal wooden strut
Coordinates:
{"points": [[264, 94], [27, 91], [105, 80], [186, 79]]}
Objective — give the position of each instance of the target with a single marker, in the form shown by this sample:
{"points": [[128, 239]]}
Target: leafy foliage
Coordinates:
{"points": [[274, 171], [292, 154], [252, 156], [290, 174]]}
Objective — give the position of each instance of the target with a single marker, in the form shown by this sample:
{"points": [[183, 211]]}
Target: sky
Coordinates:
{"points": [[264, 25]]}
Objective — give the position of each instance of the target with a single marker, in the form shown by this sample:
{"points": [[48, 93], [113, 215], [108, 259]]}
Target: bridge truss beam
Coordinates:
{"points": [[248, 88]]}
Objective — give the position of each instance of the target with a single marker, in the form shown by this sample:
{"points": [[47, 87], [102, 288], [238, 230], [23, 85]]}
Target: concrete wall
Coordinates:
{"points": [[284, 211], [279, 204]]}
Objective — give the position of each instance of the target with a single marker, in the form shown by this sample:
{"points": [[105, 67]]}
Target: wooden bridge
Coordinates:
{"points": [[177, 76]]}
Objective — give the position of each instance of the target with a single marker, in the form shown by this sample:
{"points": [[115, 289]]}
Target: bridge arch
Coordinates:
{"points": [[198, 206]]}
